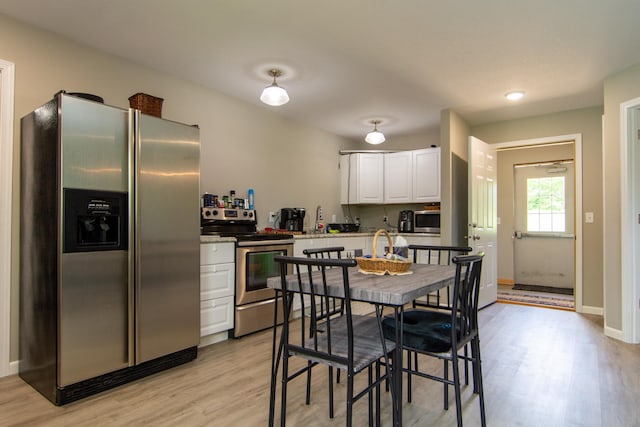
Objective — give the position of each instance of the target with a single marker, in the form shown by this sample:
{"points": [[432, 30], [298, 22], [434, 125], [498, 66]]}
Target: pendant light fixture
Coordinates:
{"points": [[375, 136], [273, 94]]}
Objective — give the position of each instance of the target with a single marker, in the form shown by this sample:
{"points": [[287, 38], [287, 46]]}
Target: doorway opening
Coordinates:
{"points": [[630, 219], [7, 70], [540, 233]]}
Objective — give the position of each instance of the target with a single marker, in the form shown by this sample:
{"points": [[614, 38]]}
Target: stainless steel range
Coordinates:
{"points": [[255, 252]]}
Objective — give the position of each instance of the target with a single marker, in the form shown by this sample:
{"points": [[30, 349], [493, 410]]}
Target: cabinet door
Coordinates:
{"points": [[398, 177], [216, 315], [362, 178], [426, 172], [217, 281], [370, 182]]}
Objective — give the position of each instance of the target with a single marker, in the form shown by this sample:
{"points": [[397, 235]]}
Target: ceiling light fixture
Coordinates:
{"points": [[375, 136], [514, 95], [273, 94]]}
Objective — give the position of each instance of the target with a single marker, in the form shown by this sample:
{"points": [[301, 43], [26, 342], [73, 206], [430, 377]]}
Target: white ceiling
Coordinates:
{"points": [[349, 61]]}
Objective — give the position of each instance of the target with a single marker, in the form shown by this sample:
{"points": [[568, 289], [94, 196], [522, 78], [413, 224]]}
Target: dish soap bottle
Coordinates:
{"points": [[251, 196]]}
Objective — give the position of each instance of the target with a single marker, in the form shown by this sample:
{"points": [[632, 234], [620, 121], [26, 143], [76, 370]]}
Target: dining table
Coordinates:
{"points": [[394, 291]]}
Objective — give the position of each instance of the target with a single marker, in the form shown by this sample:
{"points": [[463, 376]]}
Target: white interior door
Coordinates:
{"points": [[483, 231], [544, 238]]}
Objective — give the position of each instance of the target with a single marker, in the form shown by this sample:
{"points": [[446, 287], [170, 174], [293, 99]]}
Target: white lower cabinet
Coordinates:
{"points": [[216, 315], [217, 286]]}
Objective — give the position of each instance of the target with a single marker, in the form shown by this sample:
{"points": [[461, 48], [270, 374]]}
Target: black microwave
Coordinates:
{"points": [[426, 222]]}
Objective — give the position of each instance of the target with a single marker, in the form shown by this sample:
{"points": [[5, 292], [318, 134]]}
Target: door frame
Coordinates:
{"points": [[7, 73], [629, 203], [577, 141]]}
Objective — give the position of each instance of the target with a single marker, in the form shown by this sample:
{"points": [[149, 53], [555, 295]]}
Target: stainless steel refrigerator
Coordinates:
{"points": [[109, 246]]}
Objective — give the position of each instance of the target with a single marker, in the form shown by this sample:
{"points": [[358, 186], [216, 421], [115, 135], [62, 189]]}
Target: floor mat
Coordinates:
{"points": [[538, 300], [548, 289]]}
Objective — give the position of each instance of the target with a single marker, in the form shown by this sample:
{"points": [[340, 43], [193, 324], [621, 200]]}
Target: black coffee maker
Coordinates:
{"points": [[405, 222], [292, 219]]}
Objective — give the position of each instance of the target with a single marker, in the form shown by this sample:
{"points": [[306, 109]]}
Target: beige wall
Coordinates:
{"points": [[454, 140], [242, 145], [618, 88], [588, 122]]}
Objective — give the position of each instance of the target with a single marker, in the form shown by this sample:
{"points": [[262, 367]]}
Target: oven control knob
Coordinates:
{"points": [[245, 213], [215, 213], [250, 214], [207, 213]]}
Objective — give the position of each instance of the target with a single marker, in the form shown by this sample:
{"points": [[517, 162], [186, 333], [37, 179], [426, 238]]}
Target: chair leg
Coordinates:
{"points": [[456, 386], [409, 367], [349, 399], [466, 365], [446, 386], [308, 398], [378, 394], [283, 398], [330, 391], [370, 394], [475, 344]]}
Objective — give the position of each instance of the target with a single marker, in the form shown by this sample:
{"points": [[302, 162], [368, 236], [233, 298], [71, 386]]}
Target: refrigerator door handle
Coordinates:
{"points": [[133, 228]]}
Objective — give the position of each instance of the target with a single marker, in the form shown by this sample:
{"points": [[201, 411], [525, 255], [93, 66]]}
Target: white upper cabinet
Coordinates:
{"points": [[402, 177], [398, 177], [362, 177], [426, 175]]}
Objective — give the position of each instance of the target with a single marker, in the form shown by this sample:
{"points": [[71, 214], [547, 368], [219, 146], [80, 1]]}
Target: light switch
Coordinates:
{"points": [[588, 217]]}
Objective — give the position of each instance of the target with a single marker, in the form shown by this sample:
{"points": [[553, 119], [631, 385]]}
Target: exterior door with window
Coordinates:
{"points": [[544, 239]]}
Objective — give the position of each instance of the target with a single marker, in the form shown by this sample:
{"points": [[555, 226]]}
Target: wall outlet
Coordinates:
{"points": [[385, 219], [272, 217]]}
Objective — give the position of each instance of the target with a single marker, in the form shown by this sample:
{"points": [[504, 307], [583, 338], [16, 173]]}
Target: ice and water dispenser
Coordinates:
{"points": [[94, 220]]}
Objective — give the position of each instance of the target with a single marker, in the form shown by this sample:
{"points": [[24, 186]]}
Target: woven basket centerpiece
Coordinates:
{"points": [[148, 104], [375, 265]]}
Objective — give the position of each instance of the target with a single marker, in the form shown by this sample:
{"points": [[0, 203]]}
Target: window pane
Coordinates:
{"points": [[546, 210]]}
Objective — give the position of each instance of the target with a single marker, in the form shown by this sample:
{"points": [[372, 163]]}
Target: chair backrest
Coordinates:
{"points": [[433, 254], [330, 252], [311, 279], [465, 301]]}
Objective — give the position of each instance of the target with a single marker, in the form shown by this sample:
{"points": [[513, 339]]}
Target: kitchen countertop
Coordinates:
{"points": [[216, 239], [358, 234], [219, 239]]}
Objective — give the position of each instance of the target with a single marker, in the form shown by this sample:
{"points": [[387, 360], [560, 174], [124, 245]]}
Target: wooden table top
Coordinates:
{"points": [[386, 289]]}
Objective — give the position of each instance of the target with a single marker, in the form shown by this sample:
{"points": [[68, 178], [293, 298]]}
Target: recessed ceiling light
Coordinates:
{"points": [[515, 95]]}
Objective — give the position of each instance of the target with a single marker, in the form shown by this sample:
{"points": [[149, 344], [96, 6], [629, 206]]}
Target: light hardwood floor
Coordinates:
{"points": [[541, 367]]}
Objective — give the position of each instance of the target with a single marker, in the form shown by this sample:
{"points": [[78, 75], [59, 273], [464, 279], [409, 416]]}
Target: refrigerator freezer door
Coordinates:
{"points": [[167, 232], [94, 318]]}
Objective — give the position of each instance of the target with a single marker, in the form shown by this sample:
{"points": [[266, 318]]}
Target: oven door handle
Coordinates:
{"points": [[246, 243]]}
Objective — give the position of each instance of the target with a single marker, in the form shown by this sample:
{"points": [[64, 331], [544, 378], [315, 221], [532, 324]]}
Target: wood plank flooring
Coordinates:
{"points": [[541, 367]]}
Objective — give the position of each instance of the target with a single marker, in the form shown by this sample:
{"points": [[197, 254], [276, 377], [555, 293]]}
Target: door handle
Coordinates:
{"points": [[517, 234]]}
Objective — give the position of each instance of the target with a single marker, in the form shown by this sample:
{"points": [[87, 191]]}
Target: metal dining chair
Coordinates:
{"points": [[442, 334], [332, 252], [349, 342], [435, 254]]}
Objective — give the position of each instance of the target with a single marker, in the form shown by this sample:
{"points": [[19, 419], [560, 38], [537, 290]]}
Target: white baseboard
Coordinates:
{"points": [[14, 367], [613, 333], [592, 310]]}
